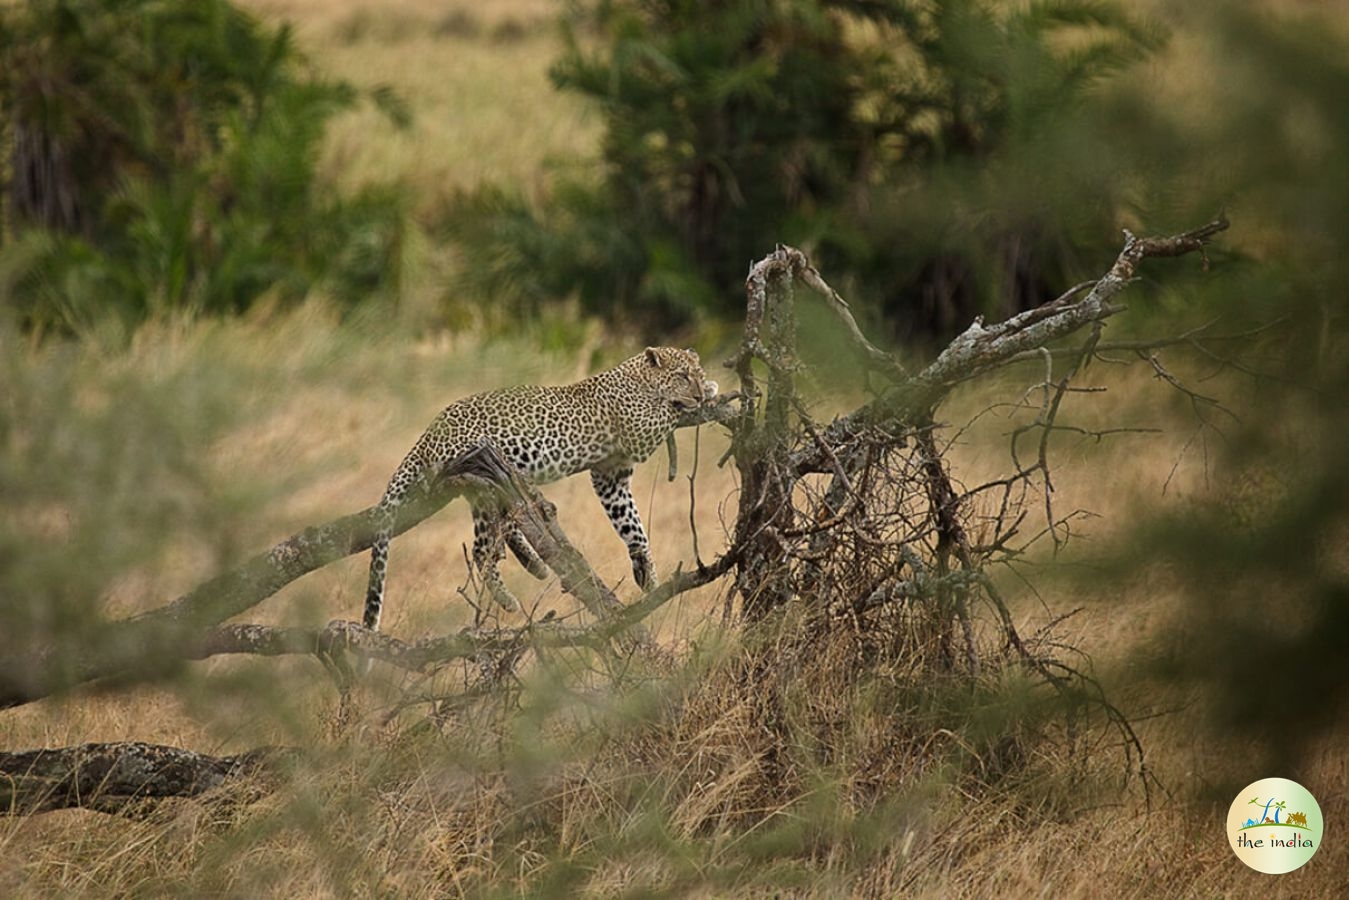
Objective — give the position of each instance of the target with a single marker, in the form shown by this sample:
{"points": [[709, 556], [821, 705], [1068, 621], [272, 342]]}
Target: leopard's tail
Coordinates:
{"points": [[387, 510], [379, 566]]}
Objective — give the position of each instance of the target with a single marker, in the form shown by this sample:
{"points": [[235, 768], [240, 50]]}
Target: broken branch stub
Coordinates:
{"points": [[760, 447]]}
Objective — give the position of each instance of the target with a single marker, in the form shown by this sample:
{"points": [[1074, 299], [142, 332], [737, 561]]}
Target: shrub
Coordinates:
{"points": [[812, 122], [162, 157]]}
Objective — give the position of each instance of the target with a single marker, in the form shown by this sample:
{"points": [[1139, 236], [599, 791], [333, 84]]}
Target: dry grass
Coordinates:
{"points": [[475, 76], [684, 780]]}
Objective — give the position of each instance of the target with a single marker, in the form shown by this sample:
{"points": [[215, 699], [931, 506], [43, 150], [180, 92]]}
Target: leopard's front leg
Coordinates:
{"points": [[614, 488]]}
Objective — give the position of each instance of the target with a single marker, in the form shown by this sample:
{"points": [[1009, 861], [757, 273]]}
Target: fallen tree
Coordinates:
{"points": [[118, 777], [857, 518]]}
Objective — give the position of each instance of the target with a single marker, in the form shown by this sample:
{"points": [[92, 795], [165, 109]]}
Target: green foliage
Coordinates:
{"points": [[162, 157], [815, 122]]}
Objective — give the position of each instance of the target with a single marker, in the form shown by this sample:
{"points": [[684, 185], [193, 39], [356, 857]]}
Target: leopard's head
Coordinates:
{"points": [[677, 376]]}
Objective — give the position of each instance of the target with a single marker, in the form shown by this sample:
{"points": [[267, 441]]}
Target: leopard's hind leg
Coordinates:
{"points": [[488, 552], [524, 551]]}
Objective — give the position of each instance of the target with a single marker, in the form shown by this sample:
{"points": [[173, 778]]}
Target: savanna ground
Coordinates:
{"points": [[208, 442]]}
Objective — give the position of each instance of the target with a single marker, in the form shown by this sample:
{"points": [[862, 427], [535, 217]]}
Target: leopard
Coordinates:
{"points": [[604, 424]]}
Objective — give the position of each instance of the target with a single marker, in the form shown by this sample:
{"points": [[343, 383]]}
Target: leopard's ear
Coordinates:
{"points": [[653, 357]]}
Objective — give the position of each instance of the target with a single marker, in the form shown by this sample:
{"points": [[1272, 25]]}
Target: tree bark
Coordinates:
{"points": [[766, 480], [118, 777]]}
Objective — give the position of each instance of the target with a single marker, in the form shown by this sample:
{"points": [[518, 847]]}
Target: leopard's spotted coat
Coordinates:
{"points": [[603, 424]]}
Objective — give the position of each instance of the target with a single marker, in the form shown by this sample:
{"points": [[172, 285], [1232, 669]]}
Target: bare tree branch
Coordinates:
{"points": [[980, 349], [129, 777], [874, 356], [356, 639]]}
